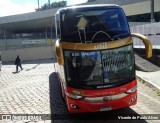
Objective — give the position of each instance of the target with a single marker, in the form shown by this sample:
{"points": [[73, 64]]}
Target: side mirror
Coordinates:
{"points": [[146, 42], [59, 53]]}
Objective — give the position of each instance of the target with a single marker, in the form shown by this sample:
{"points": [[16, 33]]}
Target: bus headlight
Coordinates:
{"points": [[76, 97], [132, 90]]}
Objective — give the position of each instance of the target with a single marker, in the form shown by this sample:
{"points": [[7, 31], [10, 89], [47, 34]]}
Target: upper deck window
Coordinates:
{"points": [[93, 24]]}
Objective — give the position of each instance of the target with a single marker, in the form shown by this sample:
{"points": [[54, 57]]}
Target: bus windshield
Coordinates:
{"points": [[93, 25], [99, 68]]}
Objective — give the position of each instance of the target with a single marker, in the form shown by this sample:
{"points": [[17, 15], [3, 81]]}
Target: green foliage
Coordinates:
{"points": [[44, 7], [59, 4], [91, 0], [53, 5]]}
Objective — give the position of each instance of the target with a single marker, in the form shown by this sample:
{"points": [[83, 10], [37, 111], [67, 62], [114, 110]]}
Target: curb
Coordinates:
{"points": [[148, 83]]}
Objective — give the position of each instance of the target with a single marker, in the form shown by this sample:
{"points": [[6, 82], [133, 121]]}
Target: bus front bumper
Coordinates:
{"points": [[82, 105]]}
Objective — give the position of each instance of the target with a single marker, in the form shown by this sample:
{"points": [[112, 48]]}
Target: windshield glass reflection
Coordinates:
{"points": [[94, 25], [99, 67]]}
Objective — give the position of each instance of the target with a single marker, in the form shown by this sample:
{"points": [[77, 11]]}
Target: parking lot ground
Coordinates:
{"points": [[35, 90]]}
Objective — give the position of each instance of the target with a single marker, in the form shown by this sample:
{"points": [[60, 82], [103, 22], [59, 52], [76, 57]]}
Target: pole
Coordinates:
{"points": [[38, 4], [49, 3], [152, 11], [5, 38]]}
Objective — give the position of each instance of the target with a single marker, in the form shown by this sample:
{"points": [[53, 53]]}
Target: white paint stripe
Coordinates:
{"points": [[151, 98]]}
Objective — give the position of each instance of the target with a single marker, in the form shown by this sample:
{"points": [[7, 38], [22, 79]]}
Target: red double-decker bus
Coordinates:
{"points": [[96, 65]]}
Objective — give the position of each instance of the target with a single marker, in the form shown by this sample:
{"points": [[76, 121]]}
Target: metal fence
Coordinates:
{"points": [[10, 40], [22, 43], [152, 31]]}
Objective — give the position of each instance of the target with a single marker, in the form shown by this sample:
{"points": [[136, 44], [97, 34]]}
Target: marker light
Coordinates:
{"points": [[132, 90], [76, 97]]}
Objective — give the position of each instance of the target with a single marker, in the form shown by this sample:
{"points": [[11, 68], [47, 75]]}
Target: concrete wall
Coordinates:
{"points": [[118, 2], [28, 16], [141, 7], [28, 53], [20, 43]]}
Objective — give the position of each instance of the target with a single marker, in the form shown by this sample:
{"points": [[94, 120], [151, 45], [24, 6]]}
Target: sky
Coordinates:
{"points": [[13, 7]]}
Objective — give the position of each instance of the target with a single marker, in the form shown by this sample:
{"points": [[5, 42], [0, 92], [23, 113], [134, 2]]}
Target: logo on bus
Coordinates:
{"points": [[105, 99], [101, 46]]}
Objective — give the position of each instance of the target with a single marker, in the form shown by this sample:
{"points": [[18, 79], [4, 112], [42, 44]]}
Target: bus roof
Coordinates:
{"points": [[89, 6]]}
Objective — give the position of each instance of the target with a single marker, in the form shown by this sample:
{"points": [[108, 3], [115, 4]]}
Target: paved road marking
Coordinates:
{"points": [[151, 98]]}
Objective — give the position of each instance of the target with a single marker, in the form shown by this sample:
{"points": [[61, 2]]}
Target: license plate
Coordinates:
{"points": [[106, 108]]}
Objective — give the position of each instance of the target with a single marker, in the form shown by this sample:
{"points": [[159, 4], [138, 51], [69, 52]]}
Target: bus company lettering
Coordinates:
{"points": [[123, 89], [75, 54], [105, 93], [101, 46], [88, 54]]}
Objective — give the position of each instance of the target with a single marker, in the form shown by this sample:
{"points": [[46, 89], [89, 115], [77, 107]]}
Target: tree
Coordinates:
{"points": [[59, 4], [53, 5], [91, 0], [45, 6]]}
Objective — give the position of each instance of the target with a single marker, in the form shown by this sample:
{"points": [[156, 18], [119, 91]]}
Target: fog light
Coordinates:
{"points": [[75, 106], [132, 100]]}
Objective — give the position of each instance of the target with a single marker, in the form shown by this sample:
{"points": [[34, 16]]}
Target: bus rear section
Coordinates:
{"points": [[96, 65]]}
